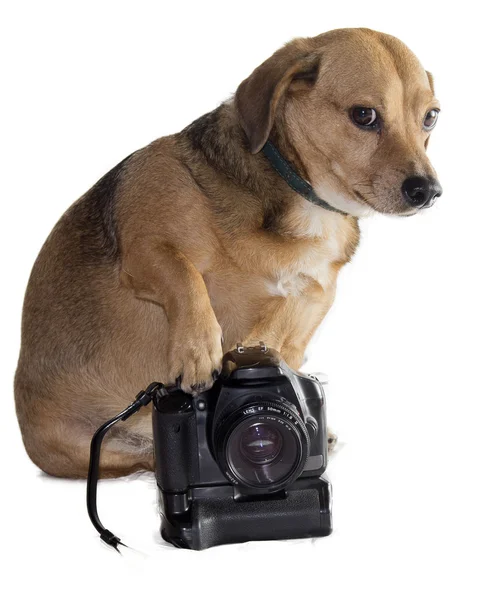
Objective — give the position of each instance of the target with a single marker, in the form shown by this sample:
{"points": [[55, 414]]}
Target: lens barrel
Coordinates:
{"points": [[263, 445]]}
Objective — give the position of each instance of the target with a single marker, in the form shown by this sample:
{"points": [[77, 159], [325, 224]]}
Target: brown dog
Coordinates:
{"points": [[195, 242]]}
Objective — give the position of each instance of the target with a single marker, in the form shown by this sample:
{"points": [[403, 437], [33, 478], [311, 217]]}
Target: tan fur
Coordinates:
{"points": [[195, 239]]}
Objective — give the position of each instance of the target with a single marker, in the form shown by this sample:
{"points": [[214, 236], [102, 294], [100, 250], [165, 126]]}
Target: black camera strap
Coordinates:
{"points": [[142, 399]]}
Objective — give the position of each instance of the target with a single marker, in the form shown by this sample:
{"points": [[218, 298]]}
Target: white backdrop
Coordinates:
{"points": [[86, 83]]}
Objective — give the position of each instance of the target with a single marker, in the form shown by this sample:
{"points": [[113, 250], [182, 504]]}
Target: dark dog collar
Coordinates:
{"points": [[296, 182]]}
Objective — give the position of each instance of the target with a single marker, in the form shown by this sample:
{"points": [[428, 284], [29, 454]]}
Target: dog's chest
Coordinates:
{"points": [[326, 247], [295, 280]]}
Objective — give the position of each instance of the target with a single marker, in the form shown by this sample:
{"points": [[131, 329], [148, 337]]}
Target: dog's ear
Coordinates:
{"points": [[258, 97]]}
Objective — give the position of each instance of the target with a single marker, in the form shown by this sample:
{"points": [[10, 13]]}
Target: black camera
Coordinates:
{"points": [[244, 460]]}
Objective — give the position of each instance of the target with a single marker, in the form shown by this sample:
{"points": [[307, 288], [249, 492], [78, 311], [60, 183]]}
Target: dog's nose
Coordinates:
{"points": [[421, 192]]}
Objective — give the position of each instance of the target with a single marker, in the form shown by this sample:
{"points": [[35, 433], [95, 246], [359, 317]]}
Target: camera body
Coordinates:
{"points": [[244, 460]]}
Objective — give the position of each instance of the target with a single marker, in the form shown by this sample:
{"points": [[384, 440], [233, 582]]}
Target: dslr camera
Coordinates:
{"points": [[244, 460]]}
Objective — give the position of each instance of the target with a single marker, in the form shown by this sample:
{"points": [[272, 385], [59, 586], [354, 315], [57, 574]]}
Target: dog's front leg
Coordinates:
{"points": [[288, 323], [160, 273], [273, 330]]}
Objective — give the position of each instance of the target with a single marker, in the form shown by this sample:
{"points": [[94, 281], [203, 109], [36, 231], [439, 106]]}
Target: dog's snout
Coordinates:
{"points": [[421, 192]]}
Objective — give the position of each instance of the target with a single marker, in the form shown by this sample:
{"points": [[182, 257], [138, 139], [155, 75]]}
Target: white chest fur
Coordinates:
{"points": [[294, 283], [324, 228]]}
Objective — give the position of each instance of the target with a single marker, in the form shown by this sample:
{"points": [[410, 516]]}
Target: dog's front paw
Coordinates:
{"points": [[195, 354]]}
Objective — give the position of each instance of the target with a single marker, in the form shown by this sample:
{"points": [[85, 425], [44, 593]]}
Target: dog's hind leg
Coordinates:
{"points": [[57, 434], [64, 451]]}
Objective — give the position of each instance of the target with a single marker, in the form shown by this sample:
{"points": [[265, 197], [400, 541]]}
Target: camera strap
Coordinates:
{"points": [[143, 398]]}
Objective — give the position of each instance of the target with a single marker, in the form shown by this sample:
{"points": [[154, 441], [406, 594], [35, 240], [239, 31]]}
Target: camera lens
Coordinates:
{"points": [[260, 443], [262, 446]]}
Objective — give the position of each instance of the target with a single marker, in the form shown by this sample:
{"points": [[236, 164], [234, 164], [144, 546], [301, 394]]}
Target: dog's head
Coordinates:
{"points": [[358, 109]]}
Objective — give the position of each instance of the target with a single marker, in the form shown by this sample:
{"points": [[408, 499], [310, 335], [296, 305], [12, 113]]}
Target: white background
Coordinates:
{"points": [[86, 83]]}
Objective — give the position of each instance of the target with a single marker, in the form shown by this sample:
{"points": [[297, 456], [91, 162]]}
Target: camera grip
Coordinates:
{"points": [[175, 443]]}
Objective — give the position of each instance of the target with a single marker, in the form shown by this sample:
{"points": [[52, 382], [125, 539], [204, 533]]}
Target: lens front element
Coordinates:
{"points": [[263, 446], [260, 443]]}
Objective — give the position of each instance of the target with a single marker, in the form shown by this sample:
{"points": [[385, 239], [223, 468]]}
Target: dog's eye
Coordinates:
{"points": [[431, 119], [364, 117]]}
